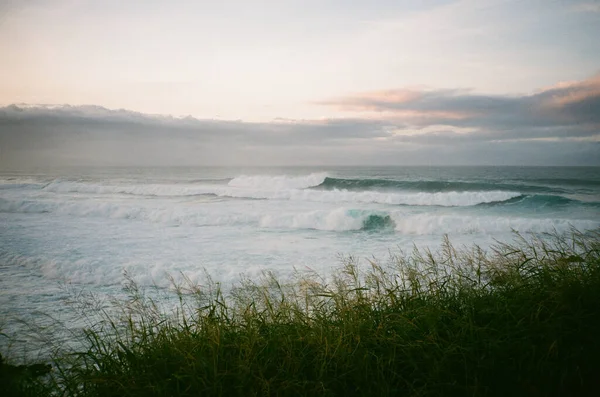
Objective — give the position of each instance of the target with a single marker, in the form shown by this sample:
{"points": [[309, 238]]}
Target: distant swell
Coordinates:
{"points": [[165, 190], [540, 201], [444, 199], [288, 188], [318, 187], [428, 186]]}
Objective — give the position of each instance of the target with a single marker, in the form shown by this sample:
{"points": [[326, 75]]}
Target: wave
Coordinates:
{"points": [[428, 186], [197, 187], [256, 186], [539, 201], [20, 183], [282, 188], [318, 187], [445, 199], [171, 215], [567, 182], [378, 222], [278, 182], [166, 190], [75, 270], [425, 224], [343, 219], [339, 219]]}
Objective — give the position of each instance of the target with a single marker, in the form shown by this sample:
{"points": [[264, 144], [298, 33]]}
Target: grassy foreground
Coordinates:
{"points": [[522, 319]]}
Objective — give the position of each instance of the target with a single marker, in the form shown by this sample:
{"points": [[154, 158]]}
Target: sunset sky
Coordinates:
{"points": [[372, 75]]}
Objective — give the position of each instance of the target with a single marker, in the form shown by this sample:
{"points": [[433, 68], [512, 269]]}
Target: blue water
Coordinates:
{"points": [[86, 226]]}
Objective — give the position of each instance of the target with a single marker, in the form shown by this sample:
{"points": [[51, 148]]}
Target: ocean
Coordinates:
{"points": [[83, 228]]}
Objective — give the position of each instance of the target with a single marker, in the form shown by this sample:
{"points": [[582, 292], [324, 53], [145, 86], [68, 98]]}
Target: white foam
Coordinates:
{"points": [[427, 224], [448, 199], [343, 219], [167, 190], [169, 215], [20, 183], [80, 271], [281, 182], [336, 220], [267, 216], [285, 188]]}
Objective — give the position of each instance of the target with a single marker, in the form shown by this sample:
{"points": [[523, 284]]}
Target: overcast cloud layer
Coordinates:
{"points": [[559, 125]]}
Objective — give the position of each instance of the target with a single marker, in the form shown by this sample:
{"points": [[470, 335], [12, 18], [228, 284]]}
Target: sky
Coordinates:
{"points": [[307, 82]]}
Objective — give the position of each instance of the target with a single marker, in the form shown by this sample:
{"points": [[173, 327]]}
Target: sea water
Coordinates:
{"points": [[85, 227]]}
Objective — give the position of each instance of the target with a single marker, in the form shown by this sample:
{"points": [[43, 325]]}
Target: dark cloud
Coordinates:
{"points": [[96, 135], [574, 107], [555, 126], [84, 119]]}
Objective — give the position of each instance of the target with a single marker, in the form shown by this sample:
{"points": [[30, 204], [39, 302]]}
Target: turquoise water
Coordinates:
{"points": [[86, 226]]}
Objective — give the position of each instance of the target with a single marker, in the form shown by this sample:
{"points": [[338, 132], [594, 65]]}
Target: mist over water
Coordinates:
{"points": [[87, 226]]}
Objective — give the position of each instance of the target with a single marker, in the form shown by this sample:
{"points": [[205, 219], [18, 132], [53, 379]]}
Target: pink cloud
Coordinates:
{"points": [[566, 93], [575, 103]]}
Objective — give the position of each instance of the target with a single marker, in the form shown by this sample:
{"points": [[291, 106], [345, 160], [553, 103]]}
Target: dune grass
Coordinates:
{"points": [[521, 319]]}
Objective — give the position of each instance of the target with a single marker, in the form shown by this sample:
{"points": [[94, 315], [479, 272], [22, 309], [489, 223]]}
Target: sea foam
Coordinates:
{"points": [[287, 188], [281, 182]]}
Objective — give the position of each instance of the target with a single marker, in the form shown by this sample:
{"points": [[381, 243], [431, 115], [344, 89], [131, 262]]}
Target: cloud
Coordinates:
{"points": [[280, 131], [96, 135], [558, 125], [567, 110]]}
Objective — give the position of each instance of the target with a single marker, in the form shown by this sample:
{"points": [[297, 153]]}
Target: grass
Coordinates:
{"points": [[521, 319]]}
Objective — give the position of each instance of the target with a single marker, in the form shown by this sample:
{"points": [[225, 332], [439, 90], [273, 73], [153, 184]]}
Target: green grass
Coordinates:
{"points": [[522, 319]]}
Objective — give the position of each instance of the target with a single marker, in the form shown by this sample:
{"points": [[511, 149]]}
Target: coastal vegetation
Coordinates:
{"points": [[520, 318]]}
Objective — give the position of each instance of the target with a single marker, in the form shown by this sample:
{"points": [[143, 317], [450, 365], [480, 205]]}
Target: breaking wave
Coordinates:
{"points": [[540, 201], [339, 219], [288, 188], [429, 186], [445, 199], [318, 187], [278, 182]]}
